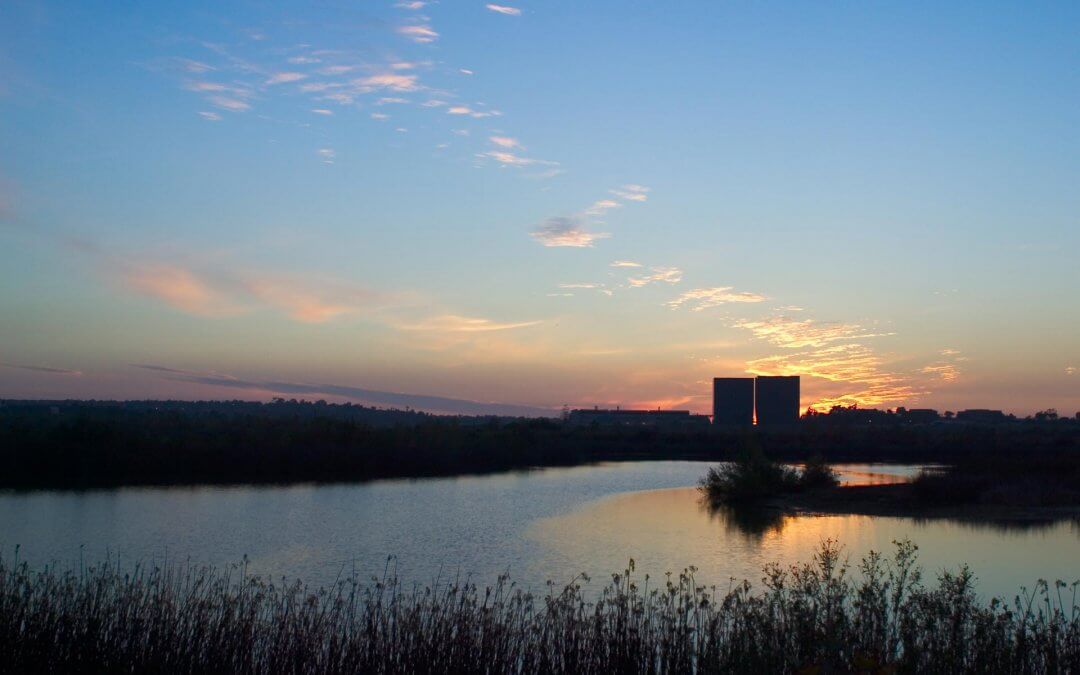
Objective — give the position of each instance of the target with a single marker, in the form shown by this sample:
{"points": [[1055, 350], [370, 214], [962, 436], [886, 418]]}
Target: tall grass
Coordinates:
{"points": [[821, 616]]}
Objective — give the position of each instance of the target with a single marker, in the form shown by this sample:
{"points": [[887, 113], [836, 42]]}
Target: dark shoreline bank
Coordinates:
{"points": [[87, 445], [901, 500]]}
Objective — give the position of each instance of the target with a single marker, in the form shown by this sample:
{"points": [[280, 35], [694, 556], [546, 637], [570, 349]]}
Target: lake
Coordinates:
{"points": [[548, 524]]}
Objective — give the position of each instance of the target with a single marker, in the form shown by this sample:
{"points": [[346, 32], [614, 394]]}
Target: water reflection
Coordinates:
{"points": [[753, 522], [548, 524]]}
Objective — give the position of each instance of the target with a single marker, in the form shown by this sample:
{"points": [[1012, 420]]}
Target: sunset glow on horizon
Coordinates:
{"points": [[467, 207]]}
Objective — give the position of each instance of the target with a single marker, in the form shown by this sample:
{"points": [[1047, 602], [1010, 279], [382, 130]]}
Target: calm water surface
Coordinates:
{"points": [[540, 525]]}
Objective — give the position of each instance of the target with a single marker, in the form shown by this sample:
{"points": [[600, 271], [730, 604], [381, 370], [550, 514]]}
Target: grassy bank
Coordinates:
{"points": [[822, 616], [75, 445]]}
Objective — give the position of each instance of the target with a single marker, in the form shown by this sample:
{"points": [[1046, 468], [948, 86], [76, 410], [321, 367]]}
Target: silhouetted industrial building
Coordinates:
{"points": [[733, 401], [660, 419], [776, 401], [917, 415], [981, 416]]}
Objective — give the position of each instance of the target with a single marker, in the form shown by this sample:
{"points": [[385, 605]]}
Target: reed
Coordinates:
{"points": [[821, 616]]}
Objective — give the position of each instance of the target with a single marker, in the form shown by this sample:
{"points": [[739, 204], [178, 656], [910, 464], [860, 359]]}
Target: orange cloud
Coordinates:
{"points": [[180, 288], [796, 334]]}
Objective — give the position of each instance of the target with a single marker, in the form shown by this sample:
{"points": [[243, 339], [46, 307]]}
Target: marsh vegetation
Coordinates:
{"points": [[822, 615]]}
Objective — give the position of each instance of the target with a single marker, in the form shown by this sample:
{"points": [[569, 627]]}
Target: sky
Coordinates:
{"points": [[539, 204]]}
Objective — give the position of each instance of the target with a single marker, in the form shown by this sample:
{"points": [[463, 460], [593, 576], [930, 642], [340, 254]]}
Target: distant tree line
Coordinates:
{"points": [[50, 444]]}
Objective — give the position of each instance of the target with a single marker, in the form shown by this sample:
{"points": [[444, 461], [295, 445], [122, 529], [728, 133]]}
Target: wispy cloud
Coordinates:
{"points": [[700, 299], [503, 9], [632, 193], [322, 111], [221, 292], [430, 403], [420, 33], [837, 353], [625, 263], [452, 323], [510, 159], [506, 142], [338, 69], [327, 154], [391, 81], [211, 116], [181, 289], [193, 66], [44, 369], [601, 206], [798, 333], [309, 304], [285, 77], [413, 5], [466, 110], [566, 232], [230, 104], [946, 372], [860, 373], [600, 288], [666, 275]]}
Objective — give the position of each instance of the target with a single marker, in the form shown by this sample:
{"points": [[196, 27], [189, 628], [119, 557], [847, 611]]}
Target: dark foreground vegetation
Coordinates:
{"points": [[104, 444], [821, 616]]}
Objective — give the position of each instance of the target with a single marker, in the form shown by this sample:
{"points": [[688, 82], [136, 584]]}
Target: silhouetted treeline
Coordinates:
{"points": [[95, 444]]}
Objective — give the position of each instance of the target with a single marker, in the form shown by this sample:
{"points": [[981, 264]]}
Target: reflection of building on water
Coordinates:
{"points": [[658, 419]]}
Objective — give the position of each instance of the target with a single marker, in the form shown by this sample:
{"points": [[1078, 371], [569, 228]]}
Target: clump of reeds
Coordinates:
{"points": [[815, 617]]}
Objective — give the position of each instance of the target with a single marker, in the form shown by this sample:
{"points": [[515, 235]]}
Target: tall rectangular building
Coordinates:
{"points": [[733, 401], [777, 401]]}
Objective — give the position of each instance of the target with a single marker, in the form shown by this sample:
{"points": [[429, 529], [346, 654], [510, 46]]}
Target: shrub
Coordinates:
{"points": [[817, 474], [750, 478]]}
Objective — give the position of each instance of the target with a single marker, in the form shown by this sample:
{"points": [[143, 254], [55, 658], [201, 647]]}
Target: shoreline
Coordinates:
{"points": [[899, 500]]}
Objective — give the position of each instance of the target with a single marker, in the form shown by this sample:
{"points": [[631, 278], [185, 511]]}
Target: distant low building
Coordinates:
{"points": [[657, 419], [981, 416], [917, 415]]}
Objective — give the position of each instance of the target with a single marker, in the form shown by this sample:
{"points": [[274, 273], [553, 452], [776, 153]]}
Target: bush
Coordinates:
{"points": [[754, 477], [751, 477], [817, 474]]}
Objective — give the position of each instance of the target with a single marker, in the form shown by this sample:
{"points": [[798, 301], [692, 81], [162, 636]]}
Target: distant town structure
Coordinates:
{"points": [[917, 415], [657, 419], [774, 401], [733, 402], [981, 416]]}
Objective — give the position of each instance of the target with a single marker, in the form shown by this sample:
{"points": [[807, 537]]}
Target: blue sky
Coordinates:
{"points": [[541, 203]]}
